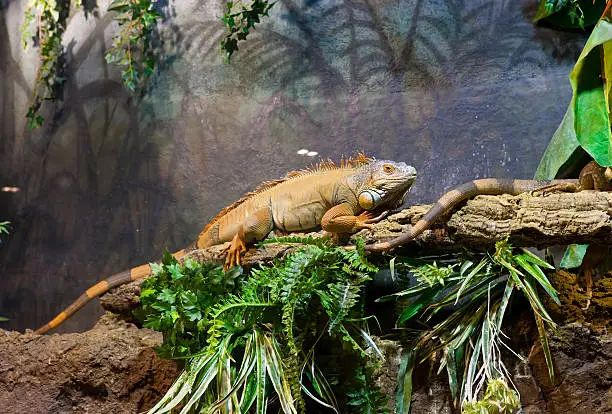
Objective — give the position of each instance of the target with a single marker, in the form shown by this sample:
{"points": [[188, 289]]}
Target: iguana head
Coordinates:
{"points": [[384, 183]]}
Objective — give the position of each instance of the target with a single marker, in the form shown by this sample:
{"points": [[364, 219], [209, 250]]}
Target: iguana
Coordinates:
{"points": [[592, 177], [339, 198]]}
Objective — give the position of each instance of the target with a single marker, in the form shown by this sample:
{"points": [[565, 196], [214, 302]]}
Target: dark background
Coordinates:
{"points": [[459, 89]]}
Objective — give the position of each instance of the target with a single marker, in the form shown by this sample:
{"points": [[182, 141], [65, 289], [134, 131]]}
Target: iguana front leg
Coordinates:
{"points": [[255, 227], [342, 219]]}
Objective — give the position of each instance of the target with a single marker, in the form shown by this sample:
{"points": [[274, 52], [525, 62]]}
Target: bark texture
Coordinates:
{"points": [[534, 221], [558, 218]]}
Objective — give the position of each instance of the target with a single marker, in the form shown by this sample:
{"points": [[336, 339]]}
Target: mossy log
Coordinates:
{"points": [[528, 220]]}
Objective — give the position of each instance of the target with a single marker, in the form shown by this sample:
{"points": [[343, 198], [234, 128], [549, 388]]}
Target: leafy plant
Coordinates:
{"points": [[570, 14], [176, 299], [4, 228], [239, 21], [477, 295], [498, 398], [586, 123], [364, 396], [51, 18], [585, 128], [131, 47], [253, 335]]}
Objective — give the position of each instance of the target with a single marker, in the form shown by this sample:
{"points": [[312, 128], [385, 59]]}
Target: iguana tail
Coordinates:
{"points": [[485, 186], [98, 289]]}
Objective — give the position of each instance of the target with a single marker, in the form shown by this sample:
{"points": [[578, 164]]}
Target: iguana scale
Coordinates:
{"points": [[339, 198]]}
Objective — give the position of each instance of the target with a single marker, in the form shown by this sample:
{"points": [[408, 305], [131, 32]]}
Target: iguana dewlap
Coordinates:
{"points": [[338, 198]]}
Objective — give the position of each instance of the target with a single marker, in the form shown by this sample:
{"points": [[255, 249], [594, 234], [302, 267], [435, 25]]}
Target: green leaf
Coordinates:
{"points": [[210, 370], [416, 305], [505, 300], [403, 397], [320, 384], [168, 259], [586, 122], [247, 366], [414, 291], [190, 305], [574, 254], [538, 275], [452, 358], [471, 275], [260, 353], [239, 22], [545, 348], [532, 295], [175, 271], [532, 258], [569, 14], [174, 315], [145, 293], [156, 268], [167, 296], [247, 399], [278, 380], [119, 6], [472, 367], [371, 344]]}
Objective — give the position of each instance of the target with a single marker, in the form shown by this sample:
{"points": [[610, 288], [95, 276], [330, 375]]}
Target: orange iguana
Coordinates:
{"points": [[340, 199], [592, 177]]}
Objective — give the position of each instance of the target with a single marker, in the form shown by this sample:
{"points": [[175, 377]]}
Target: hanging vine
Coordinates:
{"points": [[50, 16], [239, 21], [132, 48]]}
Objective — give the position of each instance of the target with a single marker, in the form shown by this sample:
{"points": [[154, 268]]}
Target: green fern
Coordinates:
{"points": [[279, 312], [320, 242], [342, 298]]}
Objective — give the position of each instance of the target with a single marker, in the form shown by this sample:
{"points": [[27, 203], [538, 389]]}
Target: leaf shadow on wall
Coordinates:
{"points": [[92, 196]]}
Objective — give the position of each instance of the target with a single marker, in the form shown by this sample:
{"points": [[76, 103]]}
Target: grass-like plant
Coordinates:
{"points": [[473, 296], [4, 228], [258, 340]]}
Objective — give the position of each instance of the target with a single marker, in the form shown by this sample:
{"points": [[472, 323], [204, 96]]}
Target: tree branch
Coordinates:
{"points": [[529, 221]]}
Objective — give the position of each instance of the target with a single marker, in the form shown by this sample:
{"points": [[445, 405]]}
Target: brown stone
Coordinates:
{"points": [[109, 369]]}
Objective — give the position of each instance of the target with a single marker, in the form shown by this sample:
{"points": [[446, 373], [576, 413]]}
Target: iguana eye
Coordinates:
{"points": [[388, 168]]}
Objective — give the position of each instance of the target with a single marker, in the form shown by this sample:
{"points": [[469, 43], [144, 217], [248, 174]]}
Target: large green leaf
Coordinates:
{"points": [[573, 256], [586, 123], [561, 147]]}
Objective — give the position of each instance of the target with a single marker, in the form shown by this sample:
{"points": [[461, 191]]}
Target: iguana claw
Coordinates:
{"points": [[233, 250], [367, 218]]}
